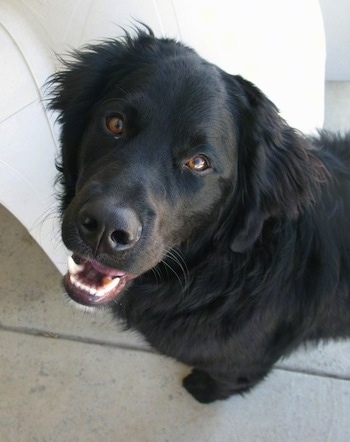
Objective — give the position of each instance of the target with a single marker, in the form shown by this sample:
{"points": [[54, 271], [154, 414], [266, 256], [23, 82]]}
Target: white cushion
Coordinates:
{"points": [[277, 45]]}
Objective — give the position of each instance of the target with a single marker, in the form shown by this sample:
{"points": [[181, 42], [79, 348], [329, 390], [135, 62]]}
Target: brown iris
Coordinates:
{"points": [[198, 163], [115, 125]]}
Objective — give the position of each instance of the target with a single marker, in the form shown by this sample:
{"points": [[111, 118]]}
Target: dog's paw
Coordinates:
{"points": [[204, 388]]}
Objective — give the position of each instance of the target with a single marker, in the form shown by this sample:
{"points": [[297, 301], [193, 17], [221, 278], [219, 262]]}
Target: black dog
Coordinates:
{"points": [[191, 207]]}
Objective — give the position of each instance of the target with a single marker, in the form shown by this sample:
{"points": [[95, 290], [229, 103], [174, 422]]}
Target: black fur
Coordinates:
{"points": [[238, 264]]}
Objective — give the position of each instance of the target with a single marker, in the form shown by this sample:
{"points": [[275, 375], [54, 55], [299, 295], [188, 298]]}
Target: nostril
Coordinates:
{"points": [[120, 237], [107, 228], [89, 223], [124, 239]]}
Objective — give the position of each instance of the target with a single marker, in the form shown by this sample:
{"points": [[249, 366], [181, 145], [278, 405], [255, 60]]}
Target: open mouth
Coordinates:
{"points": [[90, 283]]}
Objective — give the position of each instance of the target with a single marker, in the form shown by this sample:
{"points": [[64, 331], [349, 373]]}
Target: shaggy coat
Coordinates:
{"points": [[197, 213]]}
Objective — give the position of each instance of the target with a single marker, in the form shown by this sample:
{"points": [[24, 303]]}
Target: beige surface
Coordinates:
{"points": [[70, 376]]}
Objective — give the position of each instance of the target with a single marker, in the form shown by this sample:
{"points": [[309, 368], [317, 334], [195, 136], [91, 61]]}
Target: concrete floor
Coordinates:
{"points": [[66, 375]]}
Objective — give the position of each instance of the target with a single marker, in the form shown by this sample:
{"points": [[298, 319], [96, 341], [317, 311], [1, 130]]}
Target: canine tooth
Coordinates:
{"points": [[73, 267], [111, 285], [108, 285], [106, 280]]}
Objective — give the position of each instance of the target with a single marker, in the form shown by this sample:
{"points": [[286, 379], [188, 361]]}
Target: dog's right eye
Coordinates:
{"points": [[115, 125]]}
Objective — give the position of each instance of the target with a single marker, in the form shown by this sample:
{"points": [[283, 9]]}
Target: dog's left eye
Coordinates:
{"points": [[198, 163], [115, 125]]}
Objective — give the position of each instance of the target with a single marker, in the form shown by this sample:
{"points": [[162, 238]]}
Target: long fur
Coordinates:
{"points": [[261, 263]]}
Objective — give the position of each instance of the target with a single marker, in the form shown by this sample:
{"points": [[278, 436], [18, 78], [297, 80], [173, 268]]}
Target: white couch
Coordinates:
{"points": [[278, 44]]}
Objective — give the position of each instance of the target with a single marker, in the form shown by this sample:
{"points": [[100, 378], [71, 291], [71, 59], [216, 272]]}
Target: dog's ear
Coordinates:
{"points": [[73, 91], [278, 174], [82, 82]]}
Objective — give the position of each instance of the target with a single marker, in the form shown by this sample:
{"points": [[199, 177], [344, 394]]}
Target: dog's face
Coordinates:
{"points": [[154, 161], [152, 158]]}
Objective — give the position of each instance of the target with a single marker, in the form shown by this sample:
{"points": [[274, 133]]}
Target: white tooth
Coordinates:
{"points": [[73, 267], [100, 293], [92, 290], [78, 284], [111, 285], [107, 287]]}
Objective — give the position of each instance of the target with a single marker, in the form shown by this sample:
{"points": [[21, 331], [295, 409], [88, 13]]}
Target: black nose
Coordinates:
{"points": [[106, 228]]}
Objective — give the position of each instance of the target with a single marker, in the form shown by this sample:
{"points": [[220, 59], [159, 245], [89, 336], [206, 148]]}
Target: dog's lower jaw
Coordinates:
{"points": [[91, 284], [89, 295]]}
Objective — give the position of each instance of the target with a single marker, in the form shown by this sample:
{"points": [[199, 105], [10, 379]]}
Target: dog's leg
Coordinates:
{"points": [[206, 388]]}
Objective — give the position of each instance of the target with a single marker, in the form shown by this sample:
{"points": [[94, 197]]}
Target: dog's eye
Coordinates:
{"points": [[198, 163], [115, 125]]}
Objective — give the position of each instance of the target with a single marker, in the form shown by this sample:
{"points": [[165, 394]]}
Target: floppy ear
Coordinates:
{"points": [[277, 173], [74, 90], [81, 83]]}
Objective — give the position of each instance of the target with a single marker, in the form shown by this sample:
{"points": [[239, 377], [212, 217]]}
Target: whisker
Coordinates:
{"points": [[179, 259], [175, 273], [180, 262], [157, 274]]}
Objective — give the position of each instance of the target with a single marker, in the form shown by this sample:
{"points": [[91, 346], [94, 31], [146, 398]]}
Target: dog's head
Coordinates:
{"points": [[160, 149]]}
